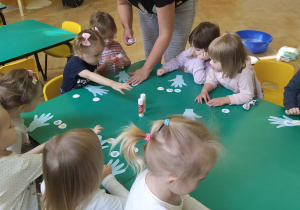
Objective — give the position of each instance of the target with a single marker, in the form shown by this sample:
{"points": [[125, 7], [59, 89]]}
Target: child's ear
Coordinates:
{"points": [[22, 107], [171, 179]]}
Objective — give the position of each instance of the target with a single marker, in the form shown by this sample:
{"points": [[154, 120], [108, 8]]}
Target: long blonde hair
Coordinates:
{"points": [[18, 87], [72, 169], [229, 50], [184, 147]]}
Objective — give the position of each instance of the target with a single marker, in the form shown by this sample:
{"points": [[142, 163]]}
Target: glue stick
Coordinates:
{"points": [[119, 56], [143, 96], [141, 107]]}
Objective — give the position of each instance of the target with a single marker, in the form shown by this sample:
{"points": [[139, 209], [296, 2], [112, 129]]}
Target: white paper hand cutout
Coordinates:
{"points": [[96, 90], [39, 122], [116, 169], [191, 114], [102, 142], [178, 81], [284, 122], [123, 76]]}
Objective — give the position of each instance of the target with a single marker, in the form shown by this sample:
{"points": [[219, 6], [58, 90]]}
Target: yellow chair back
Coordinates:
{"points": [[274, 72], [27, 63], [52, 88], [71, 26], [63, 51]]}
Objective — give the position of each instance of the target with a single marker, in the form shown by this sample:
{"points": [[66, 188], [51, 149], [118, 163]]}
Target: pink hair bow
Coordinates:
{"points": [[86, 41], [96, 29]]}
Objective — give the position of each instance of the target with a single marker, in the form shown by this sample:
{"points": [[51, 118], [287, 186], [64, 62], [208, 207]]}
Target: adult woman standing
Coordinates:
{"points": [[165, 26]]}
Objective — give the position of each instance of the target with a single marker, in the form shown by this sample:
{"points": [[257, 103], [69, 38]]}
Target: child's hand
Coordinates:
{"points": [[203, 95], [97, 129], [109, 63], [161, 72], [203, 56], [293, 111], [121, 86], [106, 170], [121, 63], [219, 101]]}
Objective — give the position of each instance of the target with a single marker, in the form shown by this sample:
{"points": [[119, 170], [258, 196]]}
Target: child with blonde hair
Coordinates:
{"points": [[229, 68], [195, 60], [88, 47], [17, 172], [178, 153], [73, 170], [114, 57], [20, 91]]}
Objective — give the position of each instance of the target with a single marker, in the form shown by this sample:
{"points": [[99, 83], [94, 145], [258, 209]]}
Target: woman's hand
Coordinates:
{"points": [[138, 76], [128, 34], [293, 111]]}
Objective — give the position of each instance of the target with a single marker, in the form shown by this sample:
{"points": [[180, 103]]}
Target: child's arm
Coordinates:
{"points": [[104, 81], [199, 72], [107, 63], [117, 191], [37, 150], [204, 93], [175, 63], [97, 129], [291, 92]]}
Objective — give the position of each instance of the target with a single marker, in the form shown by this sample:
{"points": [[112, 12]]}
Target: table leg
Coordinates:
{"points": [[2, 18], [40, 67]]}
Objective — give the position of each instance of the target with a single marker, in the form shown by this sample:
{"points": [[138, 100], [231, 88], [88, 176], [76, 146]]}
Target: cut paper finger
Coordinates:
{"points": [[177, 90], [160, 88], [76, 96]]}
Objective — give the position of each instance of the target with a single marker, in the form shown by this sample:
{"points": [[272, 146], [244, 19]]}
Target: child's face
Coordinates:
{"points": [[108, 38], [8, 135], [34, 102], [216, 65], [196, 51], [94, 54]]}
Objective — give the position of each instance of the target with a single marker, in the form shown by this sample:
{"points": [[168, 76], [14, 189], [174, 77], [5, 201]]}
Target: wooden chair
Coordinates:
{"points": [[28, 64], [276, 73], [63, 51], [52, 88]]}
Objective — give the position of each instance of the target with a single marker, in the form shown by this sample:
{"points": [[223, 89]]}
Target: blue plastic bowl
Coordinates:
{"points": [[255, 41]]}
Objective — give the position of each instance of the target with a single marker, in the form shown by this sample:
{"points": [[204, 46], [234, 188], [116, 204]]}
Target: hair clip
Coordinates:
{"points": [[96, 29], [23, 98], [86, 41], [167, 122], [148, 137]]}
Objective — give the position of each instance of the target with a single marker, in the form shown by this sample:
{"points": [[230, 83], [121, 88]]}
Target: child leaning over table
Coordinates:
{"points": [[17, 172], [105, 25], [20, 91], [88, 47], [292, 96], [73, 170], [195, 60]]}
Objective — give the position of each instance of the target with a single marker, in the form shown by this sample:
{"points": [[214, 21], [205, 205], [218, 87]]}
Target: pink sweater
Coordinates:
{"points": [[245, 85], [195, 66]]}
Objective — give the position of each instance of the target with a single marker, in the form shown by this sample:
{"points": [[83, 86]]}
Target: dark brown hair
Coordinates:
{"points": [[229, 50], [12, 88], [203, 35], [103, 21]]}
